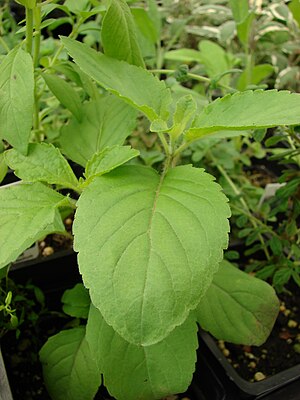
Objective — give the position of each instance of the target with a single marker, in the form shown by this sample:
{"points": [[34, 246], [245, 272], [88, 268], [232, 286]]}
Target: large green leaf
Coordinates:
{"points": [[27, 213], [143, 373], [247, 110], [134, 84], [149, 246], [106, 122], [238, 307], [118, 34], [16, 98], [43, 163], [69, 369], [65, 93]]}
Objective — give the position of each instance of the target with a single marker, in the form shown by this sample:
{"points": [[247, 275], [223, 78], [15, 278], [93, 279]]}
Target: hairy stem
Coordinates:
{"points": [[29, 29]]}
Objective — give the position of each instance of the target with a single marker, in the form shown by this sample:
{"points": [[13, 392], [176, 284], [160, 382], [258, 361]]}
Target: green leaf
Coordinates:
{"points": [[238, 308], [65, 93], [247, 110], [16, 98], [118, 34], [77, 6], [3, 167], [145, 24], [135, 372], [258, 74], [44, 163], [105, 122], [294, 7], [184, 55], [133, 84], [109, 159], [149, 246], [69, 369], [186, 107], [76, 301], [27, 213], [240, 9], [215, 59]]}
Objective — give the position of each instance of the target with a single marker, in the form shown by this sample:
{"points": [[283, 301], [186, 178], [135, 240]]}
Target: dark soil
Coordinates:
{"points": [[282, 349]]}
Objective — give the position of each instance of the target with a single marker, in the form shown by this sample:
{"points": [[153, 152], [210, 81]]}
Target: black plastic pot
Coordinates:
{"points": [[284, 385]]}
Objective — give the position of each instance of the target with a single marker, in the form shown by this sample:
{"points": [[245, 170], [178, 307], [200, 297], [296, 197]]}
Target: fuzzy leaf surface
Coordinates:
{"points": [[143, 373], [247, 110], [149, 246], [43, 163], [109, 159], [118, 34], [238, 307], [133, 84], [106, 122], [16, 98], [69, 369], [27, 213]]}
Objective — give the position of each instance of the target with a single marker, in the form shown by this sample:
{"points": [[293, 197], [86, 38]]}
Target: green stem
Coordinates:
{"points": [[29, 29], [164, 143], [37, 37], [198, 78]]}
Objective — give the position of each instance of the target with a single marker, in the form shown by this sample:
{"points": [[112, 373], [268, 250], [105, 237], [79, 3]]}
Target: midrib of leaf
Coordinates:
{"points": [[127, 34], [149, 233]]}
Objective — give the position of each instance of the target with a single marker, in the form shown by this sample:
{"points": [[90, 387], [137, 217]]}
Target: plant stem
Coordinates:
{"points": [[190, 75], [164, 143], [29, 29], [37, 37]]}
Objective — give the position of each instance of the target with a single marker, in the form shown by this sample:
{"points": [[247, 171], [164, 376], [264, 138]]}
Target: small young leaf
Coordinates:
{"points": [[27, 213], [109, 159], [238, 307], [163, 235], [276, 245], [65, 93], [44, 163], [133, 84], [76, 301], [135, 372], [118, 34], [247, 110], [105, 122], [69, 369], [16, 98], [185, 109]]}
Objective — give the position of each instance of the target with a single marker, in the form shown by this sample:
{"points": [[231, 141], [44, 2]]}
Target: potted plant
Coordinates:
{"points": [[149, 243]]}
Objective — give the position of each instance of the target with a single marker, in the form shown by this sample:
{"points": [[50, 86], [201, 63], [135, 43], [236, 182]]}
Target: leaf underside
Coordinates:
{"points": [[238, 307], [148, 248], [143, 373]]}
